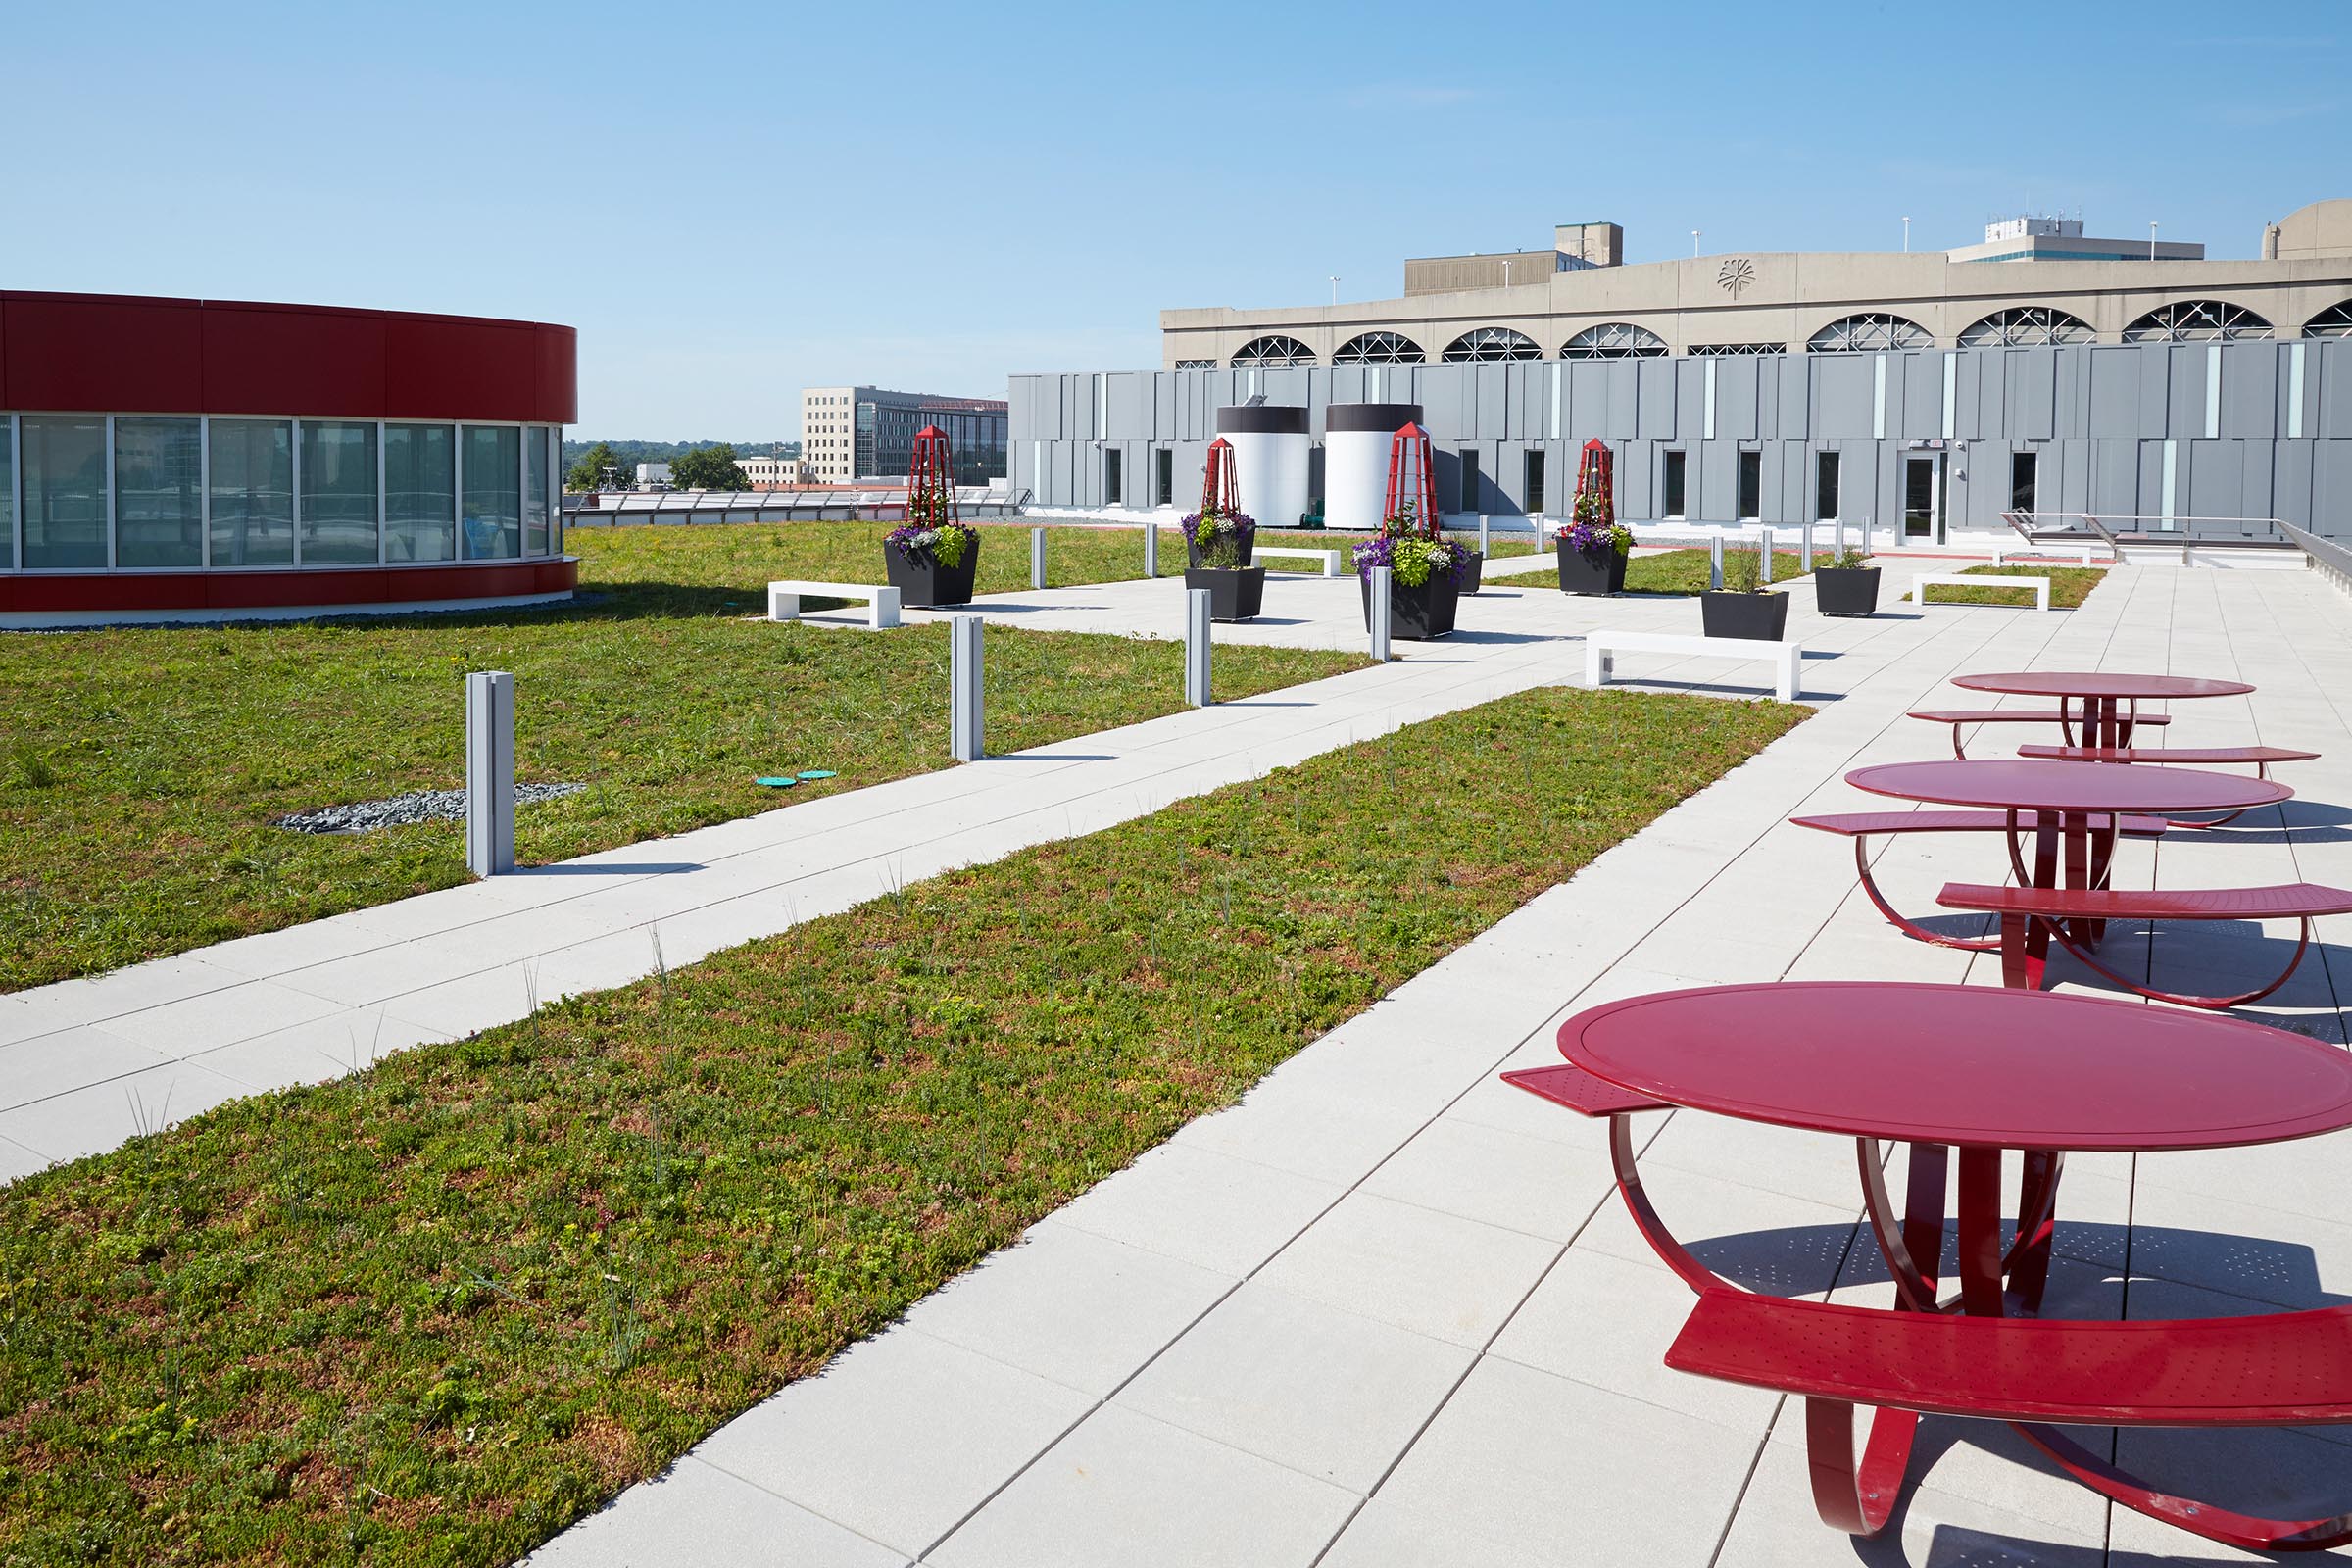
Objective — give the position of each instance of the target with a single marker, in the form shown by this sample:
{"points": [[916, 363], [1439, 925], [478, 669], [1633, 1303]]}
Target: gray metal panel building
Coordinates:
{"points": [[2252, 428]]}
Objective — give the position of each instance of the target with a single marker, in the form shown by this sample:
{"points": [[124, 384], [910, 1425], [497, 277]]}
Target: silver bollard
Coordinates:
{"points": [[1841, 541], [1196, 625], [964, 741], [1378, 581], [1481, 536], [1764, 559], [490, 773], [1151, 549], [1715, 562], [1805, 553], [1037, 559]]}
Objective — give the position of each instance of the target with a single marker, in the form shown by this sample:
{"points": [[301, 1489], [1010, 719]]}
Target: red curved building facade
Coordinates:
{"points": [[166, 459]]}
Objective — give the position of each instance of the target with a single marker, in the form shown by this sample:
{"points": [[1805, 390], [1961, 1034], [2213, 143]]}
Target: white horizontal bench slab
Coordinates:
{"points": [[2034, 552], [1329, 557], [1602, 647], [1983, 580], [882, 609]]}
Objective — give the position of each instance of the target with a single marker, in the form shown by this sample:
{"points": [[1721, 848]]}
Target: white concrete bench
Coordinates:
{"points": [[784, 599], [2043, 553], [1983, 579], [1602, 648], [1329, 557]]}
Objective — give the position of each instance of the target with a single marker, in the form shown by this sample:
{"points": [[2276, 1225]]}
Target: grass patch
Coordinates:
{"points": [[433, 1313], [745, 555], [2069, 587], [1684, 571], [141, 770]]}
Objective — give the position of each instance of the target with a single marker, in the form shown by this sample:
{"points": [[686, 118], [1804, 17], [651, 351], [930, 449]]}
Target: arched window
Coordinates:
{"points": [[1613, 340], [1869, 333], [1490, 343], [2026, 327], [2333, 321], [1736, 351], [1379, 348], [2196, 321], [1274, 350]]}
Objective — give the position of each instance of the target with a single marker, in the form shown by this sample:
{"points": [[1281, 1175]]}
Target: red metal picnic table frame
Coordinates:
{"points": [[1944, 1068], [2075, 808], [2110, 700]]}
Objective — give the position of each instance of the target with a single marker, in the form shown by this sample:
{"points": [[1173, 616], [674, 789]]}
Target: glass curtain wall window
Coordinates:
{"points": [[253, 492], [534, 492], [159, 502], [554, 459], [420, 492], [493, 510], [8, 493], [64, 463], [338, 493]]}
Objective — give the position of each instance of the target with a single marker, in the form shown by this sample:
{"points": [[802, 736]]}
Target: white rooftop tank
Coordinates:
{"points": [[1269, 461], [1357, 441]]}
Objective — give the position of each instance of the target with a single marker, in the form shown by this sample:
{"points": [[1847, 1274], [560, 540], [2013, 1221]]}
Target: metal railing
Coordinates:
{"points": [[2326, 556], [883, 502]]}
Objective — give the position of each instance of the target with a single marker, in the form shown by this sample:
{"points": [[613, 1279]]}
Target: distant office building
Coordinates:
{"points": [[774, 473], [850, 434], [2061, 239]]}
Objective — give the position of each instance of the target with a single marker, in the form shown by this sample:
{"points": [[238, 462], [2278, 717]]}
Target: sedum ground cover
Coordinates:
{"points": [[1684, 571], [719, 555], [141, 770], [2069, 587], [431, 1313]]}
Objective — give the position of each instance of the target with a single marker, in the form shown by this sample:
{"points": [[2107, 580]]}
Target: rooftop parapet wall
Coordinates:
{"points": [[116, 354]]}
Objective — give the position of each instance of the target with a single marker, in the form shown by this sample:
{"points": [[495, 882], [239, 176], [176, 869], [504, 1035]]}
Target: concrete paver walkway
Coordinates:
{"points": [[1387, 1310]]}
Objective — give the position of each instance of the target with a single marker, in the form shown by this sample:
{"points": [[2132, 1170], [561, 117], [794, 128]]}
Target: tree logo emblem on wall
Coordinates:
{"points": [[1736, 275]]}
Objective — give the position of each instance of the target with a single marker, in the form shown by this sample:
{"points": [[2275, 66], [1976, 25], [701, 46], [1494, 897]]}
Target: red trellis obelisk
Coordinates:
{"points": [[1412, 483], [931, 480], [1220, 491], [1593, 478]]}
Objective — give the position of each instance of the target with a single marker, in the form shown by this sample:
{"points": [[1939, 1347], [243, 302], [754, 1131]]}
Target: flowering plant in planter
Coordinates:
{"points": [[1220, 539], [1592, 527], [1412, 556], [944, 543]]}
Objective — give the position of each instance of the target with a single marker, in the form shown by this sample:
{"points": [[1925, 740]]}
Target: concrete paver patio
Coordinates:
{"points": [[1387, 1310]]}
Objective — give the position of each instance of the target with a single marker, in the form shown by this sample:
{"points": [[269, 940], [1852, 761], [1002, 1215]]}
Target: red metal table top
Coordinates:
{"points": [[2100, 683], [1970, 1065], [2046, 786]]}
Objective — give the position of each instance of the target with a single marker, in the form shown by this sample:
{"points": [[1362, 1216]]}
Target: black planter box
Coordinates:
{"points": [[1596, 571], [1415, 614], [1760, 618], [923, 583], [1846, 589], [1192, 551], [1476, 576], [1234, 593]]}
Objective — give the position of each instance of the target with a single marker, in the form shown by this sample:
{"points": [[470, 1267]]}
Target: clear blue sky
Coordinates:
{"points": [[733, 201]]}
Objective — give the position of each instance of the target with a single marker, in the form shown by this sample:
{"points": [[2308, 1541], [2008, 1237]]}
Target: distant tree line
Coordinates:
{"points": [[693, 464]]}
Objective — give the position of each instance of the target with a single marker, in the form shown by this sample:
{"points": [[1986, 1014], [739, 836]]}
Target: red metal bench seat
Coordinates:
{"points": [[2284, 1369], [1960, 717], [2261, 755], [2023, 910], [1863, 826]]}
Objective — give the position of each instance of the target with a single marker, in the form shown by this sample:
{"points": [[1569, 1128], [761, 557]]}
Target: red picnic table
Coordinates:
{"points": [[2110, 700], [1980, 1071], [2079, 806]]}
